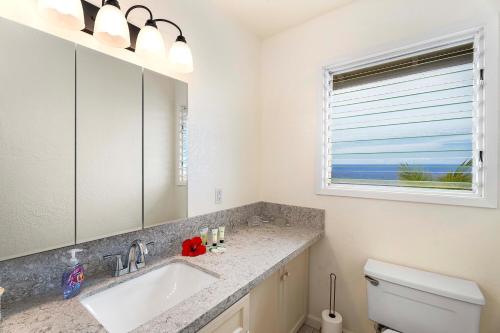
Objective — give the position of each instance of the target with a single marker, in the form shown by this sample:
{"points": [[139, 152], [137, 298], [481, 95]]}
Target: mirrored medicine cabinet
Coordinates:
{"points": [[90, 146]]}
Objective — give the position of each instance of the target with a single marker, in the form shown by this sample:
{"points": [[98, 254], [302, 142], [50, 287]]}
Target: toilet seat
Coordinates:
{"points": [[390, 331]]}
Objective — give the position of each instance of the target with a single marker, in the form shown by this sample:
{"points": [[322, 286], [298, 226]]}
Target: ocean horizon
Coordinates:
{"points": [[387, 171]]}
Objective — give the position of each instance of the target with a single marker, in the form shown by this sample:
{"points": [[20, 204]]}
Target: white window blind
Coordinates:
{"points": [[182, 154], [406, 123]]}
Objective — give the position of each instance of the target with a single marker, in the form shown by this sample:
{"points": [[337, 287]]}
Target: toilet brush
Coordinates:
{"points": [[331, 320]]}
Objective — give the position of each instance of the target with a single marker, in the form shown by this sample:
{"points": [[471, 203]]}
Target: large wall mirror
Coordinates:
{"points": [[90, 146]]}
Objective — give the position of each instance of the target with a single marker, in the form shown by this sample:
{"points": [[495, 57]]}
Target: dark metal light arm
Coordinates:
{"points": [[172, 23], [90, 13], [142, 7], [111, 2]]}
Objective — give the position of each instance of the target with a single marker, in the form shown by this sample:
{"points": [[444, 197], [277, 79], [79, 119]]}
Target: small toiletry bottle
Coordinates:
{"points": [[204, 236], [215, 232], [222, 230], [72, 279]]}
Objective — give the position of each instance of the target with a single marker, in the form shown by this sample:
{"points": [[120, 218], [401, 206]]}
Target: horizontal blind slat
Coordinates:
{"points": [[415, 184], [428, 102], [403, 137], [397, 118], [401, 123], [437, 59], [449, 92], [454, 160], [422, 76], [413, 152], [399, 88], [429, 128]]}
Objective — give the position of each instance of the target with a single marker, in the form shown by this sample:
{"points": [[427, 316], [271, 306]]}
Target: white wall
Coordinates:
{"points": [[222, 93], [453, 240]]}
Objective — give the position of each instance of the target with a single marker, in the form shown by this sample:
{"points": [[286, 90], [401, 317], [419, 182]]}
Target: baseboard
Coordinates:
{"points": [[299, 324], [315, 322]]}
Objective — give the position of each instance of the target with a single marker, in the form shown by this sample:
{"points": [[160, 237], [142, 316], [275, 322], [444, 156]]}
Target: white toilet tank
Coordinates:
{"points": [[413, 301]]}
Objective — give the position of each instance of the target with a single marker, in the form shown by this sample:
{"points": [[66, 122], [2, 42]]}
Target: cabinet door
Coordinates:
{"points": [[37, 141], [109, 146], [295, 292], [165, 199], [265, 311], [233, 320]]}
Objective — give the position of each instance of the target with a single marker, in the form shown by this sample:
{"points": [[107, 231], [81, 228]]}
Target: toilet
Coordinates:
{"points": [[407, 300]]}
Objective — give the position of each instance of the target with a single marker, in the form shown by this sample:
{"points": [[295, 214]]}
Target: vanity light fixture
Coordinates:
{"points": [[180, 55], [111, 27], [150, 43], [67, 14]]}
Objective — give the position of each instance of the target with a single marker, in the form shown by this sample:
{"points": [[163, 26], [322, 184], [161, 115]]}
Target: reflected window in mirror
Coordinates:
{"points": [[183, 143]]}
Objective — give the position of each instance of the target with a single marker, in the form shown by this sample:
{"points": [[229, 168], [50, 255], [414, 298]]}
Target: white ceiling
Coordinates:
{"points": [[268, 17]]}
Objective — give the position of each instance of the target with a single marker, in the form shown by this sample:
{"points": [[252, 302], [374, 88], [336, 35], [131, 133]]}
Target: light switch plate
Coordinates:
{"points": [[218, 196]]}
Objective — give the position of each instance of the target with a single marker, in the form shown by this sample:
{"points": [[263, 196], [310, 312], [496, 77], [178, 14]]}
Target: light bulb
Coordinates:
{"points": [[180, 56], [111, 27], [150, 44], [67, 14]]}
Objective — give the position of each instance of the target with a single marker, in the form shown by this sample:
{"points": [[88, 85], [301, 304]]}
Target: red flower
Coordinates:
{"points": [[193, 247]]}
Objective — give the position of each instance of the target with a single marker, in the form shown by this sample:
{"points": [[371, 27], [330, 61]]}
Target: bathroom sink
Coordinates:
{"points": [[132, 303]]}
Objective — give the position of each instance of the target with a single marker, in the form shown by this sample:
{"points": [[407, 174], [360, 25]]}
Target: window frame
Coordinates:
{"points": [[484, 196], [181, 171]]}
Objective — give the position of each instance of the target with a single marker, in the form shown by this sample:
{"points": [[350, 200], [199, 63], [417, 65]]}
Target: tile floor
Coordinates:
{"points": [[307, 329]]}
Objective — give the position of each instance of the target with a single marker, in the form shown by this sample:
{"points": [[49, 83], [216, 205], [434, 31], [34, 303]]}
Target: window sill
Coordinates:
{"points": [[442, 197]]}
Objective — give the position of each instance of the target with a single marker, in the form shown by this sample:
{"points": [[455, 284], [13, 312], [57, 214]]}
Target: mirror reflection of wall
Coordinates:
{"points": [[37, 148], [108, 146], [165, 183]]}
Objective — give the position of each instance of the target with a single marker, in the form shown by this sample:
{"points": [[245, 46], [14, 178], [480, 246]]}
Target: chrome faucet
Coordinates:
{"points": [[135, 258]]}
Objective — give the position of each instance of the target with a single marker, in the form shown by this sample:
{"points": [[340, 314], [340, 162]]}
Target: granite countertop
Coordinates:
{"points": [[252, 255]]}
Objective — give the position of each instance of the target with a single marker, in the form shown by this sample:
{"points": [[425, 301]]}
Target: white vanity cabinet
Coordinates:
{"points": [[279, 304], [276, 305], [295, 291], [236, 319]]}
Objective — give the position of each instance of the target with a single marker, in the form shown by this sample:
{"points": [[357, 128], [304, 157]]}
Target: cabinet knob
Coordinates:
{"points": [[285, 276]]}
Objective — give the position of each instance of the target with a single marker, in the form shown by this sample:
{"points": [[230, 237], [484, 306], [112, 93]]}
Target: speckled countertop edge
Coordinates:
{"points": [[252, 255]]}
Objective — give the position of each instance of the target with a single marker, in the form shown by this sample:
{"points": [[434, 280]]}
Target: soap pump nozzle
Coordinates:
{"points": [[74, 260]]}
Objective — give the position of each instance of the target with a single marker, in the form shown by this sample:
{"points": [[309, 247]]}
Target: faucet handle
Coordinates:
{"points": [[109, 256], [119, 269], [146, 251]]}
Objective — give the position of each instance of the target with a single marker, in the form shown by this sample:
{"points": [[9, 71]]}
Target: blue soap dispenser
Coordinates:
{"points": [[72, 279]]}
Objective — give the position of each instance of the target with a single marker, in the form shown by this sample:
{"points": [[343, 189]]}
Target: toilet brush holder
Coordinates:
{"points": [[331, 320]]}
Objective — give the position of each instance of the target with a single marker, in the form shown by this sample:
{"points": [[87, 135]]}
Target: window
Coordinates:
{"points": [[183, 145], [406, 123]]}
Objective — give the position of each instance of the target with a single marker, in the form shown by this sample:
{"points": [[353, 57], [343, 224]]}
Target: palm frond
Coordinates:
{"points": [[409, 173], [462, 173]]}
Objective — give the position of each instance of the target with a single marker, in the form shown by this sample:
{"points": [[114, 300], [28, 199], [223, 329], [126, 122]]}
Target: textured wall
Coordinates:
{"points": [[453, 240]]}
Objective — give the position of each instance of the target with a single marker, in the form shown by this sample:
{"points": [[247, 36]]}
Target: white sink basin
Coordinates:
{"points": [[130, 304]]}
